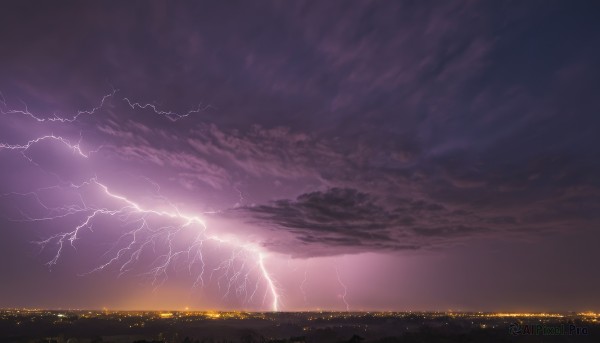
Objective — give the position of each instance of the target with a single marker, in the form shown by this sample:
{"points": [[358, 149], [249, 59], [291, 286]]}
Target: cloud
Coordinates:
{"points": [[411, 123], [345, 220]]}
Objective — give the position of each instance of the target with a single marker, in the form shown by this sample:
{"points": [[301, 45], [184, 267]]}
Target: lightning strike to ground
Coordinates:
{"points": [[345, 289], [140, 235]]}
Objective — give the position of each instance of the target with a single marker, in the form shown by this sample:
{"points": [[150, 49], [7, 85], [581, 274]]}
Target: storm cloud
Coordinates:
{"points": [[328, 128]]}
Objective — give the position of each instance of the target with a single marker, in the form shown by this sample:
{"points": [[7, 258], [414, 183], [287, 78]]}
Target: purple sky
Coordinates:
{"points": [[300, 155]]}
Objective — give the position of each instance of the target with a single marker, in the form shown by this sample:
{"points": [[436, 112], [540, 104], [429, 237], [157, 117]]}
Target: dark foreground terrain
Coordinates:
{"points": [[190, 327]]}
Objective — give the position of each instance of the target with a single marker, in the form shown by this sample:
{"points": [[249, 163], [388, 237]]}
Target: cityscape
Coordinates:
{"points": [[81, 326]]}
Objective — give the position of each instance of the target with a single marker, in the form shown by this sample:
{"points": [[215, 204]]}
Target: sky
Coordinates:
{"points": [[300, 155]]}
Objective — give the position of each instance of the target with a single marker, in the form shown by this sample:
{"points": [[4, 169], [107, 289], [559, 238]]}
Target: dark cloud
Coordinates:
{"points": [[344, 220]]}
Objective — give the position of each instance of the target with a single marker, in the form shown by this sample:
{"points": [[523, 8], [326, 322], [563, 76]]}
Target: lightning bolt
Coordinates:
{"points": [[304, 283], [22, 148], [272, 288], [345, 289], [142, 234], [54, 117], [173, 116]]}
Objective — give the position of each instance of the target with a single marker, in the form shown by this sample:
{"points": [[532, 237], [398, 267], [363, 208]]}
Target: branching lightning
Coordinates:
{"points": [[22, 148], [173, 116], [148, 231], [55, 117]]}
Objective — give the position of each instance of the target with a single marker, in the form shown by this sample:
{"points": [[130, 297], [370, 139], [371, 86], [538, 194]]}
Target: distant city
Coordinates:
{"points": [[85, 326]]}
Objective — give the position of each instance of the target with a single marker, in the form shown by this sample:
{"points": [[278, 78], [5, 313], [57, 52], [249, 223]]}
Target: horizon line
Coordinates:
{"points": [[512, 312]]}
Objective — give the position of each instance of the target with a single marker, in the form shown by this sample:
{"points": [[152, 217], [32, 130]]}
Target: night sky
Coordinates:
{"points": [[296, 155]]}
